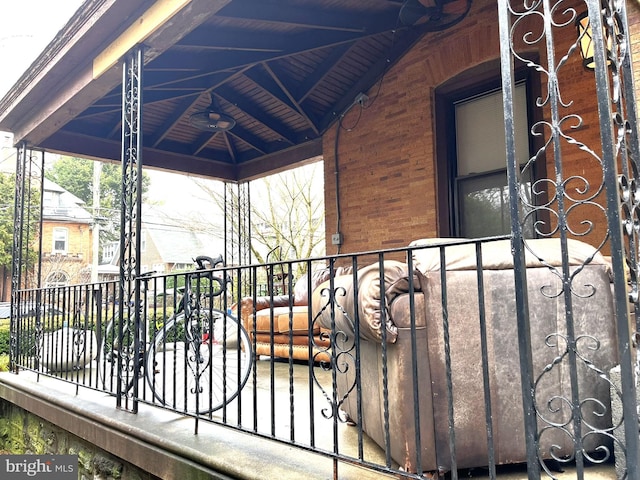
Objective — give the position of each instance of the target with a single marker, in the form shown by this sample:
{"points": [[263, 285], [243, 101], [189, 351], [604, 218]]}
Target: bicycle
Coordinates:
{"points": [[197, 362]]}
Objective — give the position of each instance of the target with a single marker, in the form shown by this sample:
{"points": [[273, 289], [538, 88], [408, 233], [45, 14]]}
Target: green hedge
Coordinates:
{"points": [[4, 362], [156, 323], [26, 345], [49, 325], [4, 339]]}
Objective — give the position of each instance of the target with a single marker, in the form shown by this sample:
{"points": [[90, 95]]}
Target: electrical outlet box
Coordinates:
{"points": [[336, 239], [361, 99]]}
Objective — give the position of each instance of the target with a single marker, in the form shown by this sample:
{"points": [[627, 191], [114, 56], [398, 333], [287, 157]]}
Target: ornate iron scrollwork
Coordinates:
{"points": [[341, 352], [568, 205], [130, 221]]}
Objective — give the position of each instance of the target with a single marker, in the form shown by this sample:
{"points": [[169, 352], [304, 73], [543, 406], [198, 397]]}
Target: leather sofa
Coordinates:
{"points": [[405, 314], [279, 324]]}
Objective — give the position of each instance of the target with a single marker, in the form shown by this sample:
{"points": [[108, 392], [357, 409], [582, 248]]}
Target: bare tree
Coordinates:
{"points": [[287, 213], [63, 269]]}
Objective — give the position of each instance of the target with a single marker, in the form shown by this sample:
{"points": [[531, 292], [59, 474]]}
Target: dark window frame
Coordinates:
{"points": [[475, 81]]}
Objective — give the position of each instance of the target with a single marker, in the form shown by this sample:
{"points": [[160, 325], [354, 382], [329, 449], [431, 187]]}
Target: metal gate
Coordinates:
{"points": [[617, 157]]}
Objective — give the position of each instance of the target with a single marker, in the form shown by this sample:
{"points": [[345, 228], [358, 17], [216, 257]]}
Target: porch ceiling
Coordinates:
{"points": [[283, 69]]}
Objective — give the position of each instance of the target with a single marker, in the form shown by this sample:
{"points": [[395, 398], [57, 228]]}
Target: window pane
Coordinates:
{"points": [[484, 206], [480, 140], [482, 194], [57, 279], [60, 236]]}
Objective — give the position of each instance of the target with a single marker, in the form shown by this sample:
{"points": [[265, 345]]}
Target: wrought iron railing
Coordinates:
{"points": [[480, 363], [390, 350]]}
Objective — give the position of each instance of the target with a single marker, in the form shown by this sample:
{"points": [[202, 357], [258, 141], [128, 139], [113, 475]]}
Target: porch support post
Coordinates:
{"points": [[130, 220], [18, 250], [40, 221], [517, 245], [237, 228]]}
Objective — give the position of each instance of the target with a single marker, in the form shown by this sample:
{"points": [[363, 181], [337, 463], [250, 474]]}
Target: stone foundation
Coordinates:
{"points": [[22, 432]]}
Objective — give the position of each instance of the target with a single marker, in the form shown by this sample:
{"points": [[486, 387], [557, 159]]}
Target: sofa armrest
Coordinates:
{"points": [[368, 300]]}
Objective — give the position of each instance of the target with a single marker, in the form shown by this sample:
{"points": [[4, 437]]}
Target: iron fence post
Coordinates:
{"points": [[517, 244], [131, 208], [16, 271]]}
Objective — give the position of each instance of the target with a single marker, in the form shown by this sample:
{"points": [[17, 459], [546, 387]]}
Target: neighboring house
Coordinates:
{"points": [[169, 249], [67, 235], [66, 226], [164, 249]]}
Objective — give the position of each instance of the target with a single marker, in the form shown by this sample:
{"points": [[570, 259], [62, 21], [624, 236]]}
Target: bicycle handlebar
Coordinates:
{"points": [[146, 275], [201, 260], [206, 263]]}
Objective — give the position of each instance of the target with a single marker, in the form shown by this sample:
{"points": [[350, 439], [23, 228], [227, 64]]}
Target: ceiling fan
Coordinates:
{"points": [[433, 15], [213, 119]]}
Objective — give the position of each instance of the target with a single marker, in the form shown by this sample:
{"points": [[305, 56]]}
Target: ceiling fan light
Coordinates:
{"points": [[212, 119]]}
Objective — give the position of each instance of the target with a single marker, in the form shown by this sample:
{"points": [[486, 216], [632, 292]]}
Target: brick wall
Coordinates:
{"points": [[79, 251], [386, 153], [79, 239]]}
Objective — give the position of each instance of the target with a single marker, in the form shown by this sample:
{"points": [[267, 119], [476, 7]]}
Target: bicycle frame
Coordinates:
{"points": [[214, 345]]}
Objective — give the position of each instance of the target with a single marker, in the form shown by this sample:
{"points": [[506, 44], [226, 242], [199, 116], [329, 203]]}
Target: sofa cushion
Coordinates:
{"points": [[497, 255]]}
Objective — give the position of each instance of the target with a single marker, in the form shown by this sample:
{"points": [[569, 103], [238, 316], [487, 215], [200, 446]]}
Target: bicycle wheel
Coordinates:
{"points": [[117, 353], [203, 369]]}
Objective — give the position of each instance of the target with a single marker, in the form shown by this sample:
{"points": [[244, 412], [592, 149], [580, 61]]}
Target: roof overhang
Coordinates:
{"points": [[284, 73]]}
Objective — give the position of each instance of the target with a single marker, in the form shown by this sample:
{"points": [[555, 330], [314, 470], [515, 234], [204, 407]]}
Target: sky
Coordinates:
{"points": [[26, 27]]}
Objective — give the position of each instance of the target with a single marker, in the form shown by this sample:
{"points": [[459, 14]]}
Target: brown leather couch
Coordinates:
{"points": [[280, 323], [394, 385]]}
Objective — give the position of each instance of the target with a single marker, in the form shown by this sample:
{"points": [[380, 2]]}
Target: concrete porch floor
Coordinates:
{"points": [[164, 443]]}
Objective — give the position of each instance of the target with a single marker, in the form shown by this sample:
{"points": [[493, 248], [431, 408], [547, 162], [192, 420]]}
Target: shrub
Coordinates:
{"points": [[4, 339], [27, 332], [4, 362]]}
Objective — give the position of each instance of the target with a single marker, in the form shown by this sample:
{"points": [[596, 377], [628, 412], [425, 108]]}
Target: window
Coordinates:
{"points": [[109, 251], [60, 240], [473, 196], [57, 279], [143, 240], [158, 267], [481, 176], [50, 199]]}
